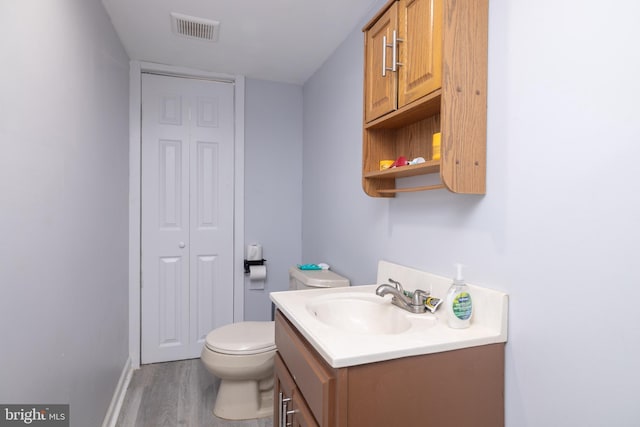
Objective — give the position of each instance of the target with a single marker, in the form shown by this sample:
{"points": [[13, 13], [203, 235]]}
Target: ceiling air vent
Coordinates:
{"points": [[196, 28]]}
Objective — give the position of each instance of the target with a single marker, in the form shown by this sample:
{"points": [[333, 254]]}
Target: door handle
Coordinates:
{"points": [[181, 245]]}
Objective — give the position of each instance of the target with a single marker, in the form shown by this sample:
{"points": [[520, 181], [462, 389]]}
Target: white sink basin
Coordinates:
{"points": [[350, 326], [359, 313]]}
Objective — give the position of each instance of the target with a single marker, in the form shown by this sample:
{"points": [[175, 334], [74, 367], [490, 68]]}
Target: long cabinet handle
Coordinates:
{"points": [[384, 56], [394, 53], [282, 409]]}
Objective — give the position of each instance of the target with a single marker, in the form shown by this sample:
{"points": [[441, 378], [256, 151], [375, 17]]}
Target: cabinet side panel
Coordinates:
{"points": [[378, 144], [461, 388], [341, 399], [464, 95]]}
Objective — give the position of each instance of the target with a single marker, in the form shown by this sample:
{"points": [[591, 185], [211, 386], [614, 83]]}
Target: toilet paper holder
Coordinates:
{"points": [[248, 263]]}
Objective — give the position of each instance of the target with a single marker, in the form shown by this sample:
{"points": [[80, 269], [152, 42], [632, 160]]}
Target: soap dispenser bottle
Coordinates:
{"points": [[458, 303]]}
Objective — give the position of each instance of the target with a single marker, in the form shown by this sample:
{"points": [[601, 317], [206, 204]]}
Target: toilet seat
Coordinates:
{"points": [[242, 338]]}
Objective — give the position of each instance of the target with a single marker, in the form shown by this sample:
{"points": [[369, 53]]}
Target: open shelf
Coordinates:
{"points": [[431, 166], [412, 189], [385, 180]]}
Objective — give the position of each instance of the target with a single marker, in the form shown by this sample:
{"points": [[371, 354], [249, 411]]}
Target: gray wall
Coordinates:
{"points": [[273, 185], [341, 225], [559, 226], [63, 206]]}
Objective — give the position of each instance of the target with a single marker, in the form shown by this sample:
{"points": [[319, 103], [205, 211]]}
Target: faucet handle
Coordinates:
{"points": [[397, 285], [419, 297]]}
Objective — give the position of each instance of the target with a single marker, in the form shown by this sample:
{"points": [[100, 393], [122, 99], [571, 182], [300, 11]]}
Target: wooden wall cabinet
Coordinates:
{"points": [[426, 72], [460, 388], [403, 53]]}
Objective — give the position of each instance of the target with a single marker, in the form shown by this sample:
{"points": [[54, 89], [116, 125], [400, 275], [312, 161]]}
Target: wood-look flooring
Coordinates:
{"points": [[175, 394]]}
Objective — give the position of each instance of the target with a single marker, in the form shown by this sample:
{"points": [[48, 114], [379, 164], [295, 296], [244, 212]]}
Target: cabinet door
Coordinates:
{"points": [[301, 416], [314, 378], [290, 408], [283, 389], [380, 90], [420, 51]]}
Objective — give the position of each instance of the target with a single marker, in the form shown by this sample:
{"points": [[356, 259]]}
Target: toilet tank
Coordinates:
{"points": [[314, 279]]}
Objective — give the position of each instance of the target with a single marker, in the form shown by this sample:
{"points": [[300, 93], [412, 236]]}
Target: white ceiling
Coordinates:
{"points": [[279, 40]]}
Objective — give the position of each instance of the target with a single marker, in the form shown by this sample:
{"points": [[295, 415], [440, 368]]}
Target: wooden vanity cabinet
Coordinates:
{"points": [[460, 388], [437, 83]]}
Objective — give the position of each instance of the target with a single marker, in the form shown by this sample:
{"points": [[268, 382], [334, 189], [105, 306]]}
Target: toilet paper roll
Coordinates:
{"points": [[254, 252], [258, 272]]}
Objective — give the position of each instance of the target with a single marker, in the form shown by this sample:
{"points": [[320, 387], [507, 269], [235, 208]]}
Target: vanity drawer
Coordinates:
{"points": [[315, 379]]}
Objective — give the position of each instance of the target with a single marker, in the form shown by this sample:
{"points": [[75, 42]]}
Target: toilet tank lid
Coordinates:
{"points": [[242, 338], [318, 278]]}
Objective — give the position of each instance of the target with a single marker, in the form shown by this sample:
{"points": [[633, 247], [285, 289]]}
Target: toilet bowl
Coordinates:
{"points": [[242, 356]]}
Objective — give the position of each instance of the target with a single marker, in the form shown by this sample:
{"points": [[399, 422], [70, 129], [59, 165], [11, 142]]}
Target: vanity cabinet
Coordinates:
{"points": [[459, 388], [426, 72]]}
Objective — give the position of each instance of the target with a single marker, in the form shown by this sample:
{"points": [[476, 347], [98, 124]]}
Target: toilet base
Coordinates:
{"points": [[246, 380], [232, 402]]}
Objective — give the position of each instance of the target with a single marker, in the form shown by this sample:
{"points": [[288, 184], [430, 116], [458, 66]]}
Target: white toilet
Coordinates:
{"points": [[241, 355]]}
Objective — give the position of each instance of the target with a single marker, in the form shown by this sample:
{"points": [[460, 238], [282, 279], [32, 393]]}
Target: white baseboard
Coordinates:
{"points": [[113, 412]]}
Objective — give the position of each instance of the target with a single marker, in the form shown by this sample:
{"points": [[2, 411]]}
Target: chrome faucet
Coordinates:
{"points": [[414, 304]]}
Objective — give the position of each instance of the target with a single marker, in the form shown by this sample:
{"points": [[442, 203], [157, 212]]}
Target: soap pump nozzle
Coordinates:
{"points": [[458, 280]]}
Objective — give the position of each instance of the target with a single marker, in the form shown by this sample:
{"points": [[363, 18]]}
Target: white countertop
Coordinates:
{"points": [[428, 333]]}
